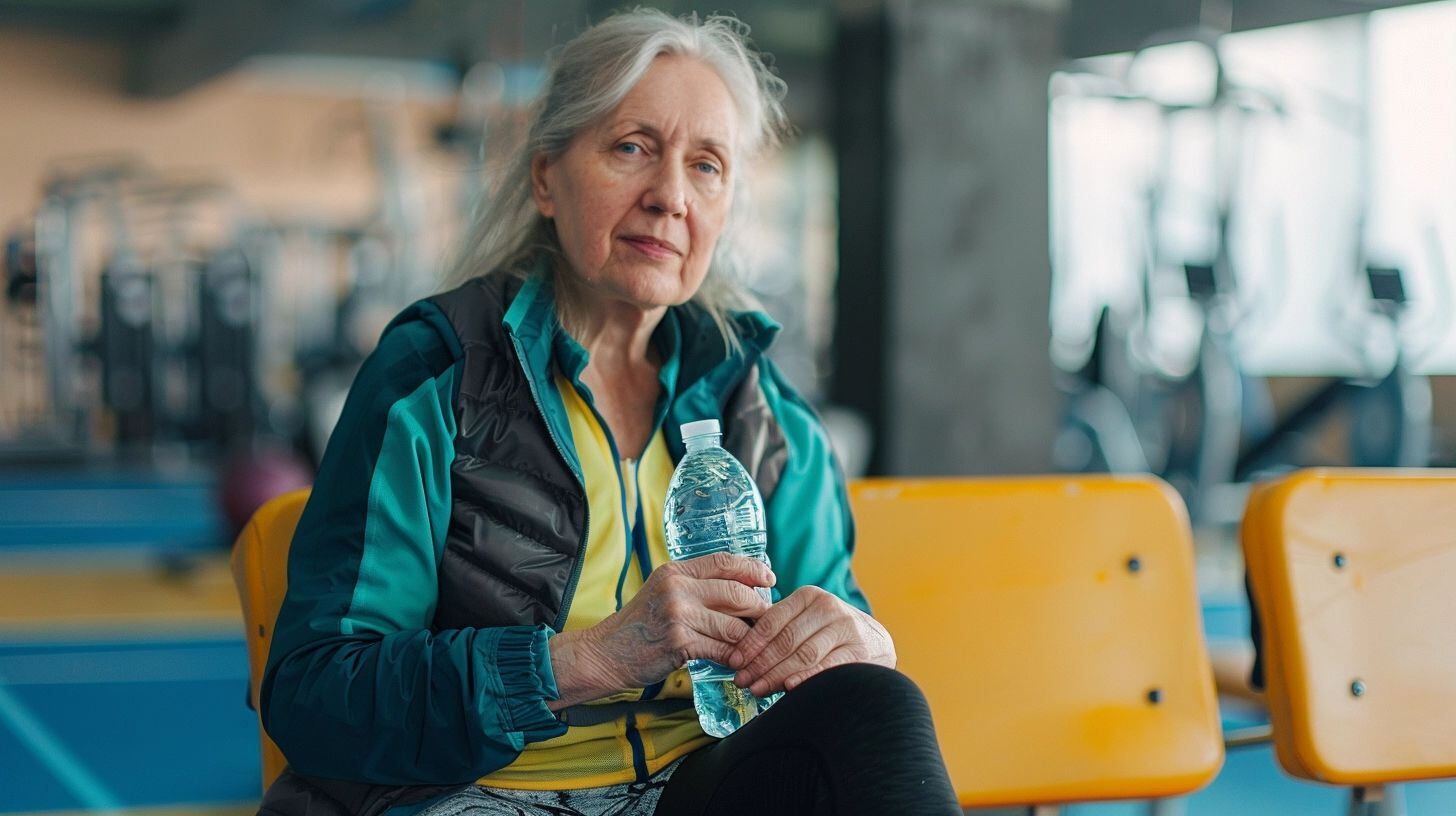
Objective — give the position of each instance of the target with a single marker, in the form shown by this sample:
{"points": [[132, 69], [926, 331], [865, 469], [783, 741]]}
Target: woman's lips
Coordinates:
{"points": [[650, 248]]}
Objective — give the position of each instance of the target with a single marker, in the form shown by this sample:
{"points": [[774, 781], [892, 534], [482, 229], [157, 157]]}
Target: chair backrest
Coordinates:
{"points": [[260, 569], [1054, 626], [1354, 576]]}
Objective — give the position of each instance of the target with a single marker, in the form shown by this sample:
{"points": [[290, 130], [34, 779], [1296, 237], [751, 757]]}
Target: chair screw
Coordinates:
{"points": [[1134, 564], [1155, 695], [1357, 688], [1339, 560]]}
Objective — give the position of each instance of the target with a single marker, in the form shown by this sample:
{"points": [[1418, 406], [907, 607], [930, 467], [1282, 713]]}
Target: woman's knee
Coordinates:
{"points": [[864, 692], [864, 679], [870, 723]]}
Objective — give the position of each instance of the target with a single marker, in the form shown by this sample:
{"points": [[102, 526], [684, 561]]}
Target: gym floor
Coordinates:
{"points": [[122, 664], [123, 671]]}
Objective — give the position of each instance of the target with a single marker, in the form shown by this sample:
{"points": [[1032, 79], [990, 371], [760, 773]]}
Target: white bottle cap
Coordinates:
{"points": [[699, 428]]}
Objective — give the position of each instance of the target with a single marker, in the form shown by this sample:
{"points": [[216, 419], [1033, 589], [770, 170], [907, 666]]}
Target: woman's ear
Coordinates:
{"points": [[540, 188]]}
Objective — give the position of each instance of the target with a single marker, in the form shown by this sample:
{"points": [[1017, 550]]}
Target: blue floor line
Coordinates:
{"points": [[92, 794]]}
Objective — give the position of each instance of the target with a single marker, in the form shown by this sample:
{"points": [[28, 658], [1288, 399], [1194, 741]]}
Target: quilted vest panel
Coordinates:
{"points": [[517, 511]]}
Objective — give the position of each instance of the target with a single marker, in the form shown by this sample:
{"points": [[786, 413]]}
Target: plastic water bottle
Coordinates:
{"points": [[714, 506]]}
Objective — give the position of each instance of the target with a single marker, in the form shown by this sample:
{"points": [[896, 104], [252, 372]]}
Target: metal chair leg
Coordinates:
{"points": [[1168, 807], [1394, 802], [1357, 804], [1377, 800]]}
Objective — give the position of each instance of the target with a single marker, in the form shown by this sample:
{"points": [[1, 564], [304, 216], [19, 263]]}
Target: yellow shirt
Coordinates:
{"points": [[619, 494]]}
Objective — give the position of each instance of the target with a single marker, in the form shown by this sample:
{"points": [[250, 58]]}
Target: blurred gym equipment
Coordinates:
{"points": [[1142, 400], [1130, 389], [145, 303]]}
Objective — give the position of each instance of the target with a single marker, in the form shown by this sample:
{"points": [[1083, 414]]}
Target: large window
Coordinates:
{"points": [[1340, 152]]}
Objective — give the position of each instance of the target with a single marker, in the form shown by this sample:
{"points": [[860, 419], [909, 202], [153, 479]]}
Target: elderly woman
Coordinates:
{"points": [[481, 614]]}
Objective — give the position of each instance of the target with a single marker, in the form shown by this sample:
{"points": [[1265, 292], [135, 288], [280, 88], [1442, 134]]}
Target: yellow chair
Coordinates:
{"points": [[260, 570], [1354, 576], [1054, 626]]}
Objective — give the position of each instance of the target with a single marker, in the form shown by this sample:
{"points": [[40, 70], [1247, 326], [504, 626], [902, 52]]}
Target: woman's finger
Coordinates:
{"points": [[698, 633], [841, 656], [809, 654], [788, 640], [765, 629], [726, 629], [727, 566], [733, 598], [680, 599]]}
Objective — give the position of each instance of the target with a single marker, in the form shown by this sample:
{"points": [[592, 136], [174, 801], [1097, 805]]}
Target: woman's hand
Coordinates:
{"points": [[686, 609], [804, 634]]}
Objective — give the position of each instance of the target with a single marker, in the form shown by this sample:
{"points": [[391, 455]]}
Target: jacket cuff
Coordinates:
{"points": [[523, 663]]}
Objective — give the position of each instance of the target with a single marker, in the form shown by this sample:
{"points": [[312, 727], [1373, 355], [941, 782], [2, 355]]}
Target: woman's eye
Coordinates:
{"points": [[708, 167], [629, 149]]}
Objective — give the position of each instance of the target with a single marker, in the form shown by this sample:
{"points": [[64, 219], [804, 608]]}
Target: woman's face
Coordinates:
{"points": [[640, 198]]}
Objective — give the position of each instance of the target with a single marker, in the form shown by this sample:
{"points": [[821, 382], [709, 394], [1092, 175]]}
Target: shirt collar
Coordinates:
{"points": [[532, 319]]}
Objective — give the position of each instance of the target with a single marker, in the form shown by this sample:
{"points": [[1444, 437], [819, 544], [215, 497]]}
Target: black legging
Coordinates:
{"points": [[852, 740]]}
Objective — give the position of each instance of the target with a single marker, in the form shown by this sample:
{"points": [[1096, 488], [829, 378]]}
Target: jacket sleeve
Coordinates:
{"points": [[358, 685], [810, 529]]}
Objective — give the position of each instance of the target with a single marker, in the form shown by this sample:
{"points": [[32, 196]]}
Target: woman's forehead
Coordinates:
{"points": [[680, 99]]}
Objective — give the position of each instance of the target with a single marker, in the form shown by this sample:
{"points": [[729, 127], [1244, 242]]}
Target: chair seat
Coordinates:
{"points": [[260, 570], [1054, 626], [1354, 577]]}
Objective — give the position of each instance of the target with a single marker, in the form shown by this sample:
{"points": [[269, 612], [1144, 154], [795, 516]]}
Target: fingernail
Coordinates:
{"points": [[740, 679], [735, 660]]}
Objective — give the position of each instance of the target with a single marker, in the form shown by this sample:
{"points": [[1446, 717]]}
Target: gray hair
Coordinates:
{"points": [[589, 77]]}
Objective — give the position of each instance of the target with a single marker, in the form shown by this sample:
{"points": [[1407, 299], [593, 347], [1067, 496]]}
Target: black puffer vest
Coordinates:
{"points": [[518, 513]]}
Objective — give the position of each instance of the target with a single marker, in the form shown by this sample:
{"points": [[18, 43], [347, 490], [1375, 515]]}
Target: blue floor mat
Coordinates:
{"points": [[126, 723], [25, 782]]}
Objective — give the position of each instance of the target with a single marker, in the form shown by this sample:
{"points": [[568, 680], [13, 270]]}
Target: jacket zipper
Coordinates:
{"points": [[622, 495]]}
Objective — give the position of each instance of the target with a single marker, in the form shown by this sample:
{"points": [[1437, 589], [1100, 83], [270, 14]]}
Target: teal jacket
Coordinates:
{"points": [[363, 682]]}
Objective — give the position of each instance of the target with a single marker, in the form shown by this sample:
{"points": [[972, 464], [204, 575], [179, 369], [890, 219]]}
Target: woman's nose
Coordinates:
{"points": [[668, 192]]}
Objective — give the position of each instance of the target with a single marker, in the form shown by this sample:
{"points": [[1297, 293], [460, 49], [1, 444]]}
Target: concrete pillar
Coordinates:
{"points": [[966, 378], [971, 381]]}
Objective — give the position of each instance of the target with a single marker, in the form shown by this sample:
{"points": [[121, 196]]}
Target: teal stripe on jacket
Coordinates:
{"points": [[810, 529]]}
